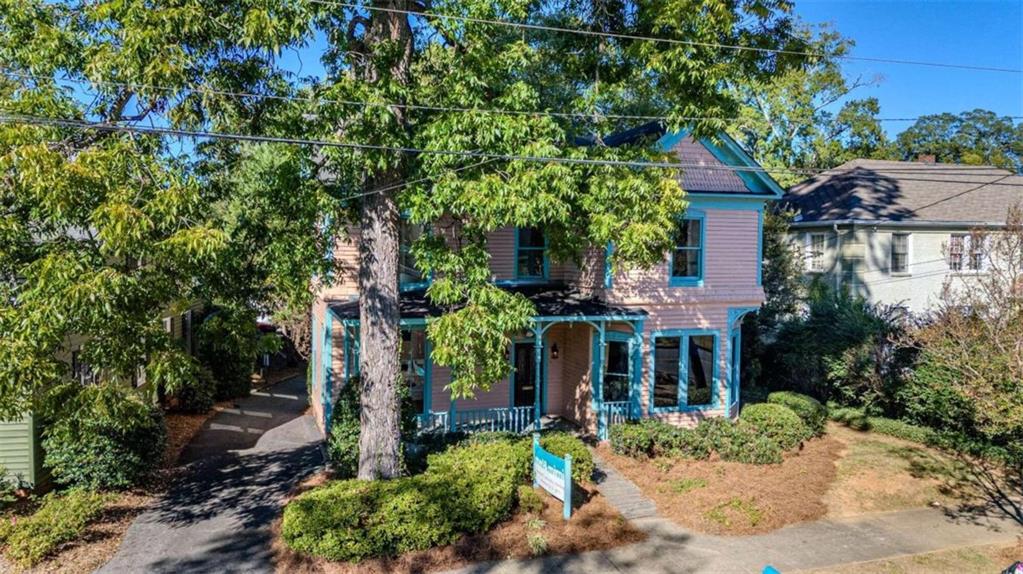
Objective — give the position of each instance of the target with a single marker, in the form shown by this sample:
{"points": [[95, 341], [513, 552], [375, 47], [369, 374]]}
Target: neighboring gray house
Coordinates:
{"points": [[896, 232]]}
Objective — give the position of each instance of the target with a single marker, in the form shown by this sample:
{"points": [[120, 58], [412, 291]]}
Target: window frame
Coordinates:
{"points": [[683, 371], [626, 339], [545, 274], [966, 255], [406, 249], [909, 254], [697, 280], [810, 259]]}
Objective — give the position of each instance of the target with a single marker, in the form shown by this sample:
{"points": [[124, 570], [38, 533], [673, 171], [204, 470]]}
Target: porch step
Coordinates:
{"points": [[625, 496]]}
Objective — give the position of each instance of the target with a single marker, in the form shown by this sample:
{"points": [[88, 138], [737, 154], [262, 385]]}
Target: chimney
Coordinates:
{"points": [[928, 158]]}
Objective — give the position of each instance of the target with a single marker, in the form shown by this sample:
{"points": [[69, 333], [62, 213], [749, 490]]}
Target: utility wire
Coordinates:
{"points": [[582, 32], [358, 103], [149, 130]]}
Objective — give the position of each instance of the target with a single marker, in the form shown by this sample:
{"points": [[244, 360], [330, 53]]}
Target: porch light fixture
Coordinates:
{"points": [[554, 351]]}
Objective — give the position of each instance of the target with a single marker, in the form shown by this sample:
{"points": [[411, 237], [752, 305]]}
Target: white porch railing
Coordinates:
{"points": [[432, 422]]}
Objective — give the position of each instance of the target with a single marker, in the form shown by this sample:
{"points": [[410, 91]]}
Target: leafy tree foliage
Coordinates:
{"points": [[788, 119], [977, 137]]}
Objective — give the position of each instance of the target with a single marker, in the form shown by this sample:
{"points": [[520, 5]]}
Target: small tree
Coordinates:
{"points": [[976, 337]]}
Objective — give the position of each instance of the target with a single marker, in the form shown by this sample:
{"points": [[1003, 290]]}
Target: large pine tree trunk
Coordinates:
{"points": [[379, 315]]}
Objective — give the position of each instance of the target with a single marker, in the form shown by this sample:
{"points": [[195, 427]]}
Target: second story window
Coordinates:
{"points": [[530, 254], [408, 274], [815, 245], [687, 259], [900, 253]]}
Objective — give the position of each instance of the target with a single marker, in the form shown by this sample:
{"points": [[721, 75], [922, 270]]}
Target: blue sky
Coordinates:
{"points": [[978, 32]]}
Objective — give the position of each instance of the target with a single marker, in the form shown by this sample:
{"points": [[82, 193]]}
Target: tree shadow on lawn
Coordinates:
{"points": [[999, 490]]}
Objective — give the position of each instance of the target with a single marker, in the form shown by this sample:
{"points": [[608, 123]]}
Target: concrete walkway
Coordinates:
{"points": [[217, 517], [671, 549]]}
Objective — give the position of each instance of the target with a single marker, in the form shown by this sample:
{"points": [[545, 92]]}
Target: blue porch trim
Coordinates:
{"points": [[326, 356], [760, 247], [608, 277]]}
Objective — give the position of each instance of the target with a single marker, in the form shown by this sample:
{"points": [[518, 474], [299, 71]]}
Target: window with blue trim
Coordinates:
{"points": [[413, 367], [530, 254], [687, 259], [684, 371], [409, 276]]}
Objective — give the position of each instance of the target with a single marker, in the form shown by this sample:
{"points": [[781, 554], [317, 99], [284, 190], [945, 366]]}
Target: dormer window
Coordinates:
{"points": [[530, 254]]}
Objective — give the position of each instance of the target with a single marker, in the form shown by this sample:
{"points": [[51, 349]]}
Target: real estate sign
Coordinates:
{"points": [[553, 474]]}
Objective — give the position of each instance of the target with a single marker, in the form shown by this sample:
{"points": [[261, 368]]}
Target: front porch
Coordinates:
{"points": [[573, 342]]}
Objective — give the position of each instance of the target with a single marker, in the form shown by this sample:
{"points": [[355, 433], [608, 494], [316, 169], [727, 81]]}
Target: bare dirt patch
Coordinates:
{"points": [[732, 498], [595, 525], [101, 539], [879, 473]]}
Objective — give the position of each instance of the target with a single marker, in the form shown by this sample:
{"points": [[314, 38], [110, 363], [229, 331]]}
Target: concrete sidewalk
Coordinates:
{"points": [[217, 518], [671, 549]]}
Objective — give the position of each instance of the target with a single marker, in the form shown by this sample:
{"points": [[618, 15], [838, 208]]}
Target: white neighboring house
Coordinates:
{"points": [[895, 232]]}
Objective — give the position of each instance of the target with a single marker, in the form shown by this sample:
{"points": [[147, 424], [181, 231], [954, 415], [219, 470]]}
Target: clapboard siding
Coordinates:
{"points": [[21, 453]]}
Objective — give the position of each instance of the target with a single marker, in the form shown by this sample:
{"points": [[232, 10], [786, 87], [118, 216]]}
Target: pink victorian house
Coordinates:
{"points": [[603, 348]]}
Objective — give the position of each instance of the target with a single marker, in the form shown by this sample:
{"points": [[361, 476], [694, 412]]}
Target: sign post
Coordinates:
{"points": [[553, 474]]}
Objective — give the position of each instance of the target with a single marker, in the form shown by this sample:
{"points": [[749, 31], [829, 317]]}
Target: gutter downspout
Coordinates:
{"points": [[838, 259]]}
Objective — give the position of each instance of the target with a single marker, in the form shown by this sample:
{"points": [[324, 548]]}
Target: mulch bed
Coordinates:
{"points": [[731, 498], [595, 525]]}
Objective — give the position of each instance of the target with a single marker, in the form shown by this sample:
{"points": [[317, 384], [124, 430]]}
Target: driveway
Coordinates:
{"points": [[217, 517]]}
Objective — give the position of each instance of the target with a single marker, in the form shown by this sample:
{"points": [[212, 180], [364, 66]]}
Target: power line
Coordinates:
{"points": [[424, 107], [579, 31], [150, 130]]}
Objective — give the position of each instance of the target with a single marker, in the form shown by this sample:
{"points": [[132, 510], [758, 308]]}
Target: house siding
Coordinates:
{"points": [[21, 452]]}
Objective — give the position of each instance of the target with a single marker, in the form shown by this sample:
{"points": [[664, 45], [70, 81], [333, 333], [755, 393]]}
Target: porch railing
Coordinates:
{"points": [[513, 419], [612, 413], [432, 422]]}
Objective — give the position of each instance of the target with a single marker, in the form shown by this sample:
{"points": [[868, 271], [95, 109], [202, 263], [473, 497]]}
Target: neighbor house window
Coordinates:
{"points": [[530, 254], [687, 259], [413, 366], [815, 245], [900, 253], [409, 276], [966, 251], [684, 371]]}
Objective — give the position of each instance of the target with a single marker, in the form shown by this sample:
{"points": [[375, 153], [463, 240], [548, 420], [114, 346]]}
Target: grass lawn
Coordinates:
{"points": [[595, 525], [994, 558], [845, 473]]}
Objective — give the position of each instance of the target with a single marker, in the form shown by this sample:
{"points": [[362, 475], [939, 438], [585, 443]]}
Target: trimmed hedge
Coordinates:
{"points": [[651, 437], [465, 489], [561, 443], [857, 419], [777, 422], [60, 518], [813, 413]]}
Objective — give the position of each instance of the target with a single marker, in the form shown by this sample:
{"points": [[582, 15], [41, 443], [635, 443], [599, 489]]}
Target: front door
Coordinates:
{"points": [[524, 378]]}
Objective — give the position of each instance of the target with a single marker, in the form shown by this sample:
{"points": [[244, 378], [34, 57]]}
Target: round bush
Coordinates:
{"points": [[813, 413], [197, 396], [778, 423], [104, 438], [631, 439], [561, 443], [744, 444]]}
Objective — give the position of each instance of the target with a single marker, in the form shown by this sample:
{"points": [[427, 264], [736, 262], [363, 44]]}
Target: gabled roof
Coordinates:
{"points": [[712, 160], [900, 191]]}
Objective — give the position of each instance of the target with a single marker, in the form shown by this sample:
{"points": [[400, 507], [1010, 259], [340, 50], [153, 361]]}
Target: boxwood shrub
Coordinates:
{"points": [[776, 422], [562, 443], [813, 413], [464, 489], [633, 439]]}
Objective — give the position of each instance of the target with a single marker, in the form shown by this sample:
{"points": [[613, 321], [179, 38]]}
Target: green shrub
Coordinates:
{"points": [[561, 443], [8, 488], [465, 489], [102, 437], [529, 499], [859, 420], [813, 413], [198, 395], [228, 342], [345, 428], [746, 445], [60, 518], [777, 422], [632, 439]]}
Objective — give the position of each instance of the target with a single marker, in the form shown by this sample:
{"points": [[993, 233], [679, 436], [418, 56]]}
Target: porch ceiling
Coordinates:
{"points": [[550, 300]]}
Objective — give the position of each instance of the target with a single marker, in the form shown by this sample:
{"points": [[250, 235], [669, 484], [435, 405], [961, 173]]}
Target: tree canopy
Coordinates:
{"points": [[977, 137]]}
